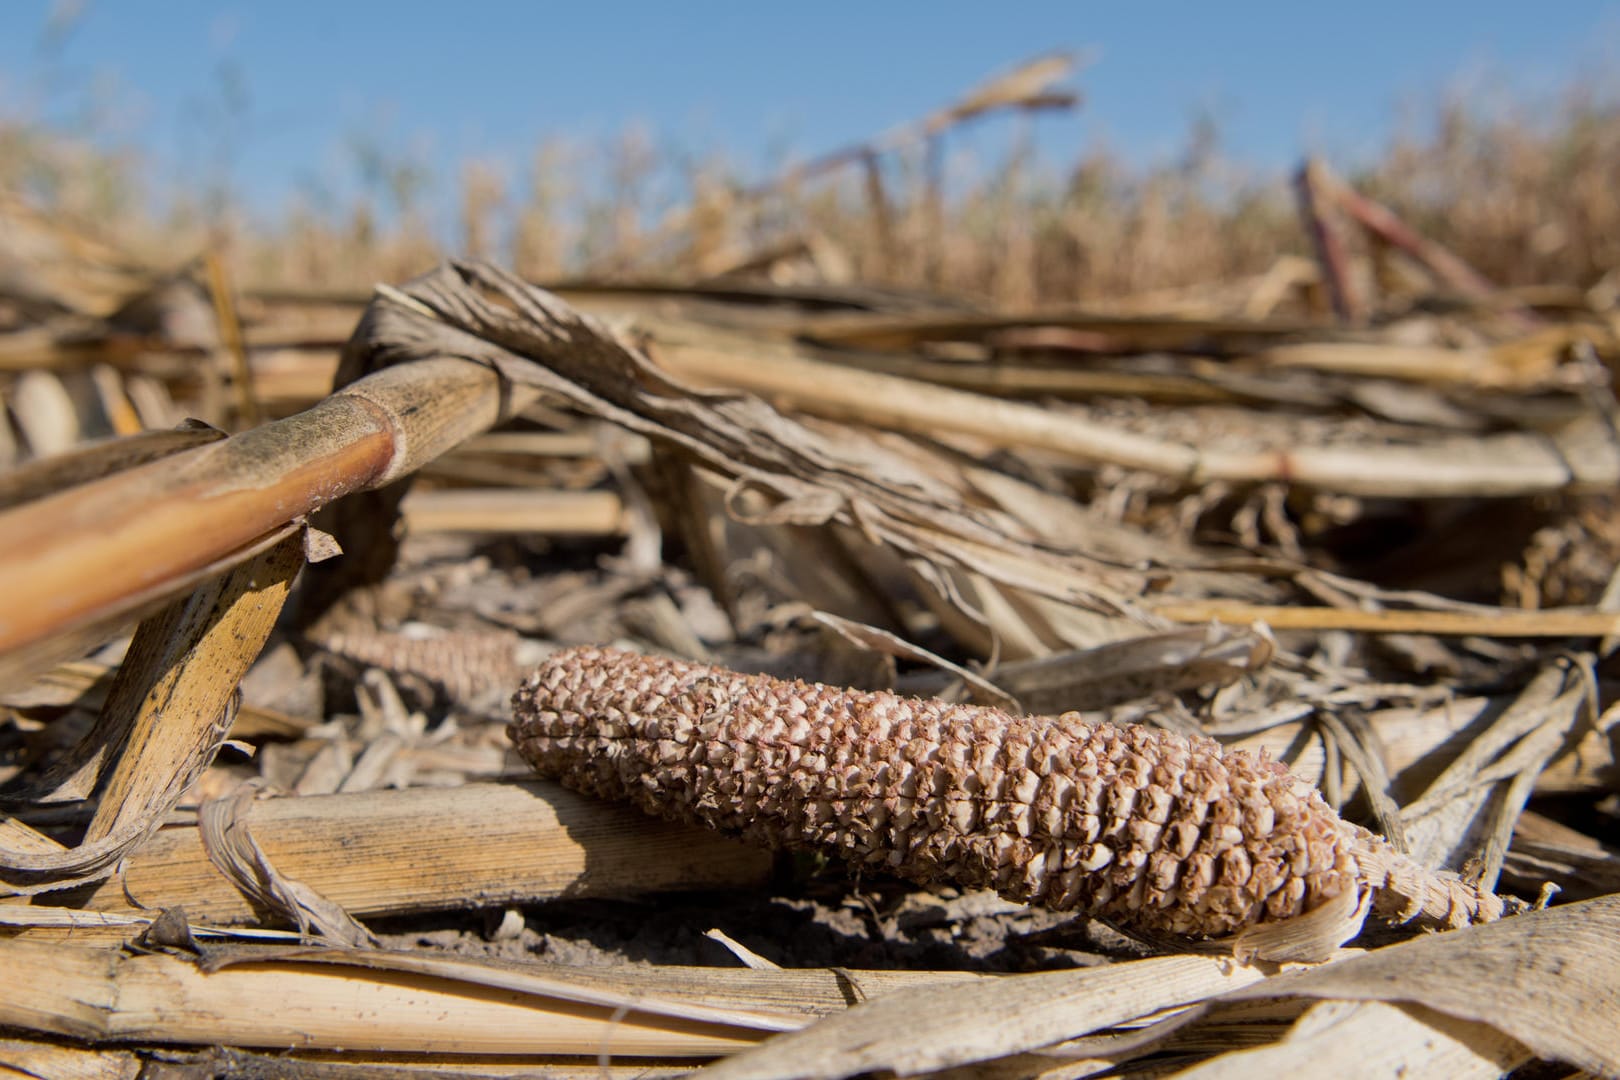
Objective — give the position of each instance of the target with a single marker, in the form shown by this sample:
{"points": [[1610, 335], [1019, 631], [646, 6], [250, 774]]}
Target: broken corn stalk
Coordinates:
{"points": [[1157, 833]]}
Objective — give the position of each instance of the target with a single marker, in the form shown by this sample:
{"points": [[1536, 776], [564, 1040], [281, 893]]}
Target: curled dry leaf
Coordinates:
{"points": [[1170, 661], [531, 337], [229, 842], [1545, 978]]}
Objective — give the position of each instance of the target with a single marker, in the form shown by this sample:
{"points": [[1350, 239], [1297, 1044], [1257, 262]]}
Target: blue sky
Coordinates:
{"points": [[448, 81]]}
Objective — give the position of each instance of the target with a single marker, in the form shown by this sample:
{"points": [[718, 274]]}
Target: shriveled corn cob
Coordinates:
{"points": [[1158, 833]]}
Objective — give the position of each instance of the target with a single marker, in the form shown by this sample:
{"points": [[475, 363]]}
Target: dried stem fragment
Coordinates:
{"points": [[1160, 833]]}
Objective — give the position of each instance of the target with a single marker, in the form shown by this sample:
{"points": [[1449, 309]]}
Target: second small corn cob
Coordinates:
{"points": [[1159, 833]]}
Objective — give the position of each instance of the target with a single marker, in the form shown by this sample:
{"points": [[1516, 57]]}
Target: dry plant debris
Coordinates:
{"points": [[1376, 488]]}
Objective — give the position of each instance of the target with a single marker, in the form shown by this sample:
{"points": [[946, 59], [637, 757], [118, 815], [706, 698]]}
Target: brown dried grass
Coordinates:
{"points": [[1523, 195]]}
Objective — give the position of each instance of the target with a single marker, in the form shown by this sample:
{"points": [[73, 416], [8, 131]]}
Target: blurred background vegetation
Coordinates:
{"points": [[1520, 190]]}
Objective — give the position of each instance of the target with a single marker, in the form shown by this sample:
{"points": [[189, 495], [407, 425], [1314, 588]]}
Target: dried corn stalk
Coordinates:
{"points": [[1159, 833]]}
